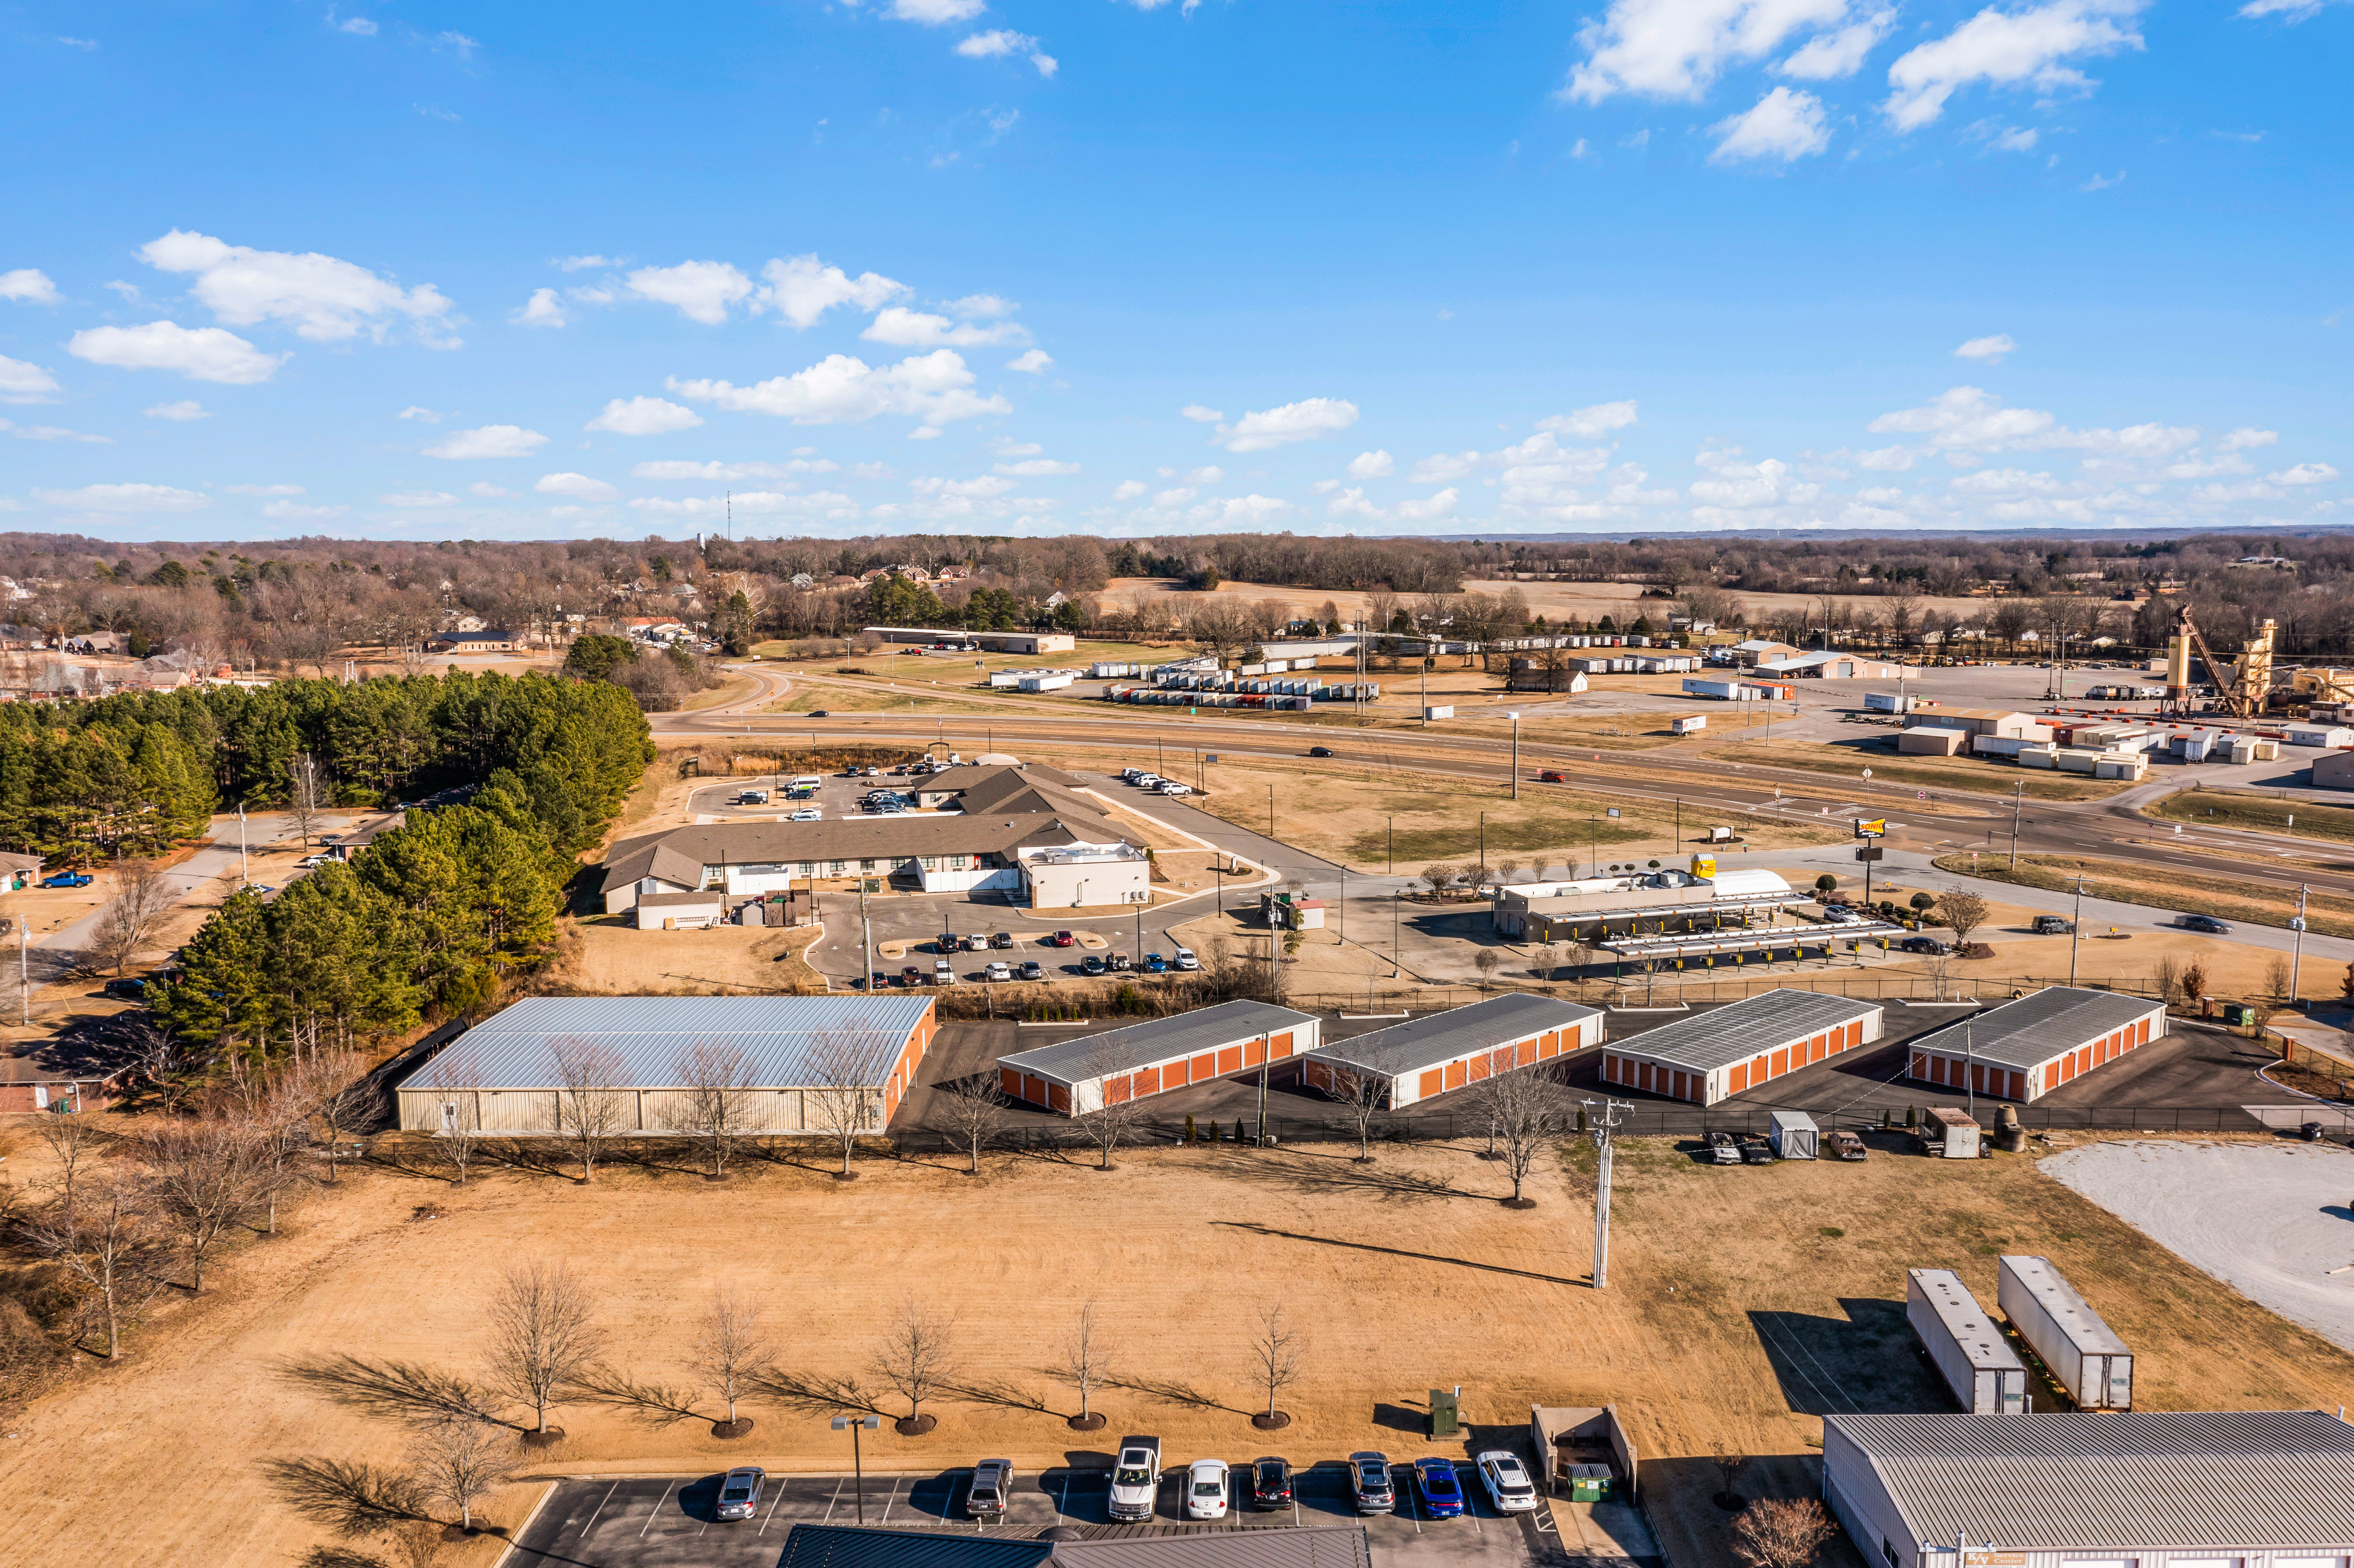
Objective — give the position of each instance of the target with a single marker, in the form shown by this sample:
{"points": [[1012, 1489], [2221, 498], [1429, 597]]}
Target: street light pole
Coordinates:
{"points": [[2076, 931], [857, 1460], [1516, 753], [2018, 794], [2297, 953]]}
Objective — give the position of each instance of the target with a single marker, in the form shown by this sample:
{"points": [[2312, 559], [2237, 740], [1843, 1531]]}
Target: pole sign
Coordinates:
{"points": [[1876, 827]]}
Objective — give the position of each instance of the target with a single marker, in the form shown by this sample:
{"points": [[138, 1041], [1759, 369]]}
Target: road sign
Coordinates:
{"points": [[1614, 810]]}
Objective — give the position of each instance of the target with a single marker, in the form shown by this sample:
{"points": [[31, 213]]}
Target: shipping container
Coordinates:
{"points": [[1793, 1135], [1977, 1362], [2084, 1354]]}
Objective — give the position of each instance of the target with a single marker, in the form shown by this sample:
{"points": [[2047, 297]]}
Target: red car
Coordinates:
{"points": [[1061, 939], [1552, 776]]}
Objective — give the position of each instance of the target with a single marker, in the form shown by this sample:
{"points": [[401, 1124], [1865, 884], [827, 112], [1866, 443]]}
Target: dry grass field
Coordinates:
{"points": [[1581, 601], [1744, 1302]]}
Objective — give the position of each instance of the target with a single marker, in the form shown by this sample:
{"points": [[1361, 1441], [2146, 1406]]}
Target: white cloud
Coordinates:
{"points": [[296, 512], [981, 489], [488, 441], [2292, 11], [983, 305], [1376, 464], [542, 310], [2008, 138], [124, 498], [2247, 437], [1832, 56], [1964, 418], [422, 498], [489, 492], [52, 433], [2100, 182], [1175, 497], [2305, 473], [1324, 487], [717, 472], [1240, 511], [802, 289], [1990, 349], [1785, 124], [1592, 422], [1443, 466], [936, 388], [203, 354], [1033, 363], [73, 43], [1130, 489], [22, 382], [1887, 459], [1211, 474], [262, 489], [1201, 414], [419, 411], [327, 300], [1037, 468], [644, 417], [578, 485], [457, 43], [1440, 506], [701, 290], [582, 263], [925, 433], [1310, 418], [1675, 48], [938, 13], [359, 26], [1352, 503], [903, 328], [1004, 41], [825, 504], [185, 409], [29, 286], [2008, 48]]}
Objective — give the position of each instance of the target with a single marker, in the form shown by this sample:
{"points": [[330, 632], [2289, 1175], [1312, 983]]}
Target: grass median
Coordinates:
{"points": [[2257, 813], [2163, 887], [1890, 767]]}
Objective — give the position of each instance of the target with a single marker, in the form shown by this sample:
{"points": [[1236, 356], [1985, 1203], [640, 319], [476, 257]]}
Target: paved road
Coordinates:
{"points": [[59, 952]]}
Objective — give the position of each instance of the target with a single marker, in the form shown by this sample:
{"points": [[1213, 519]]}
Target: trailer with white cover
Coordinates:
{"points": [[2084, 1354], [1985, 1373], [1793, 1135]]}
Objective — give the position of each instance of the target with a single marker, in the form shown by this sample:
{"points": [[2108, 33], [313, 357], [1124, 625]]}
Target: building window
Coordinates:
{"points": [[808, 868], [867, 865], [840, 866], [926, 862]]}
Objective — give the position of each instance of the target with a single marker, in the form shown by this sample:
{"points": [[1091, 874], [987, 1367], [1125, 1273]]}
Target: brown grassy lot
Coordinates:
{"points": [[2257, 813], [614, 958], [1889, 767], [1406, 1271], [2165, 887]]}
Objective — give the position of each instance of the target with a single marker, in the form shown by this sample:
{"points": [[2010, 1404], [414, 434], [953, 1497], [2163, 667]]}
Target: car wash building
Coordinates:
{"points": [[1712, 1055]]}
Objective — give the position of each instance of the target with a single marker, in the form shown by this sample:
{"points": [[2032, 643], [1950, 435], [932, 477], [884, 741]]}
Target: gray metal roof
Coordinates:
{"points": [[512, 1048], [1740, 1030], [1458, 1032], [2039, 1026], [1234, 1546], [2050, 1479], [1162, 1040]]}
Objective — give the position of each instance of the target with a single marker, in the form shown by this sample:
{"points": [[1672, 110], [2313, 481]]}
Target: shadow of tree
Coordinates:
{"points": [[350, 1498], [1335, 1173], [1169, 1391], [402, 1390]]}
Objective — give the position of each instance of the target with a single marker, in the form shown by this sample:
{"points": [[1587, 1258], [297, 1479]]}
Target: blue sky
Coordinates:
{"points": [[405, 269]]}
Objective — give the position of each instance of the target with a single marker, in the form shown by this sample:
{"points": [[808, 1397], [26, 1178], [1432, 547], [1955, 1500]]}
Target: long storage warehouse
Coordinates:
{"points": [[647, 1056], [2068, 1336], [1078, 1076], [2024, 1049], [1445, 1050], [1712, 1055], [1969, 1353]]}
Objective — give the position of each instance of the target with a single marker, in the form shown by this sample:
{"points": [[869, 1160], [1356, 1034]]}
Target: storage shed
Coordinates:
{"points": [[679, 911], [1463, 1045], [1793, 1135], [1929, 740], [2082, 1354], [2329, 734], [1969, 1353], [1076, 1076], [2024, 1049], [503, 1075], [1727, 1050]]}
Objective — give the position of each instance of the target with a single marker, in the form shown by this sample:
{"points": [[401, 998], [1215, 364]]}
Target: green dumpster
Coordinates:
{"points": [[2238, 1013], [1589, 1483]]}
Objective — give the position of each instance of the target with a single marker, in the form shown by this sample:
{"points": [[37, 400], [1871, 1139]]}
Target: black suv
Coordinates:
{"points": [[1270, 1483], [2052, 926]]}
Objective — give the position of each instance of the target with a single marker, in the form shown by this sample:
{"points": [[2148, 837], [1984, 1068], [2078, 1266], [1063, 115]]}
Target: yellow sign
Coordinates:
{"points": [[1873, 829]]}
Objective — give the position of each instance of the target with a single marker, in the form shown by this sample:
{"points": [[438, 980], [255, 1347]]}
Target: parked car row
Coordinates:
{"points": [[1152, 783], [1213, 1489]]}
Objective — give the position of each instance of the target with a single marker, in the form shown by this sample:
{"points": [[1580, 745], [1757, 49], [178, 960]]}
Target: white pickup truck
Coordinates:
{"points": [[1136, 1479]]}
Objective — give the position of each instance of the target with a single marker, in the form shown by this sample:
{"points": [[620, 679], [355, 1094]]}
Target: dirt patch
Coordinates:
{"points": [[615, 958]]}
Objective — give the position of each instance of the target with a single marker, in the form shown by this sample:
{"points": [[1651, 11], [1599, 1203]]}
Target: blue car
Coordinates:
{"points": [[1155, 964], [66, 879], [1442, 1494]]}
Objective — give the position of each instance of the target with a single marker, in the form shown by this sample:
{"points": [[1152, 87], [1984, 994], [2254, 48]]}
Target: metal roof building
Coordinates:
{"points": [[1462, 1046], [1274, 1546], [2025, 1048], [502, 1074], [1727, 1050], [2259, 1488], [1075, 1076]]}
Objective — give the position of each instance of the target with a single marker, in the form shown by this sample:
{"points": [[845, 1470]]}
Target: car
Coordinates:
{"points": [[1509, 1487], [806, 814], [948, 942], [1155, 964], [1369, 1482], [129, 987], [66, 879], [1552, 775], [1442, 1494], [1184, 959], [977, 943], [1757, 1151], [1121, 963], [999, 971], [1206, 1489], [1841, 915], [1270, 1482], [2207, 923], [912, 976], [944, 973], [740, 1493], [1093, 964], [1722, 1149], [992, 1481], [870, 773], [1130, 775], [818, 713], [2052, 926], [1846, 1146], [752, 797], [311, 862], [1062, 939], [1929, 945], [1032, 969], [1145, 781], [1170, 787], [1319, 751], [880, 980], [1000, 939], [259, 889]]}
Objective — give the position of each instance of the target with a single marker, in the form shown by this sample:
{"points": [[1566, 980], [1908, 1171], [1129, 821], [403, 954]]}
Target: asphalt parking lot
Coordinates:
{"points": [[665, 1521]]}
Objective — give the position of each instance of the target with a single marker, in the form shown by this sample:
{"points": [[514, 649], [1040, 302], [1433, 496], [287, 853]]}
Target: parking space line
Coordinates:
{"points": [[600, 1507], [774, 1504], [833, 1501], [1413, 1509], [657, 1512], [891, 1499], [1063, 1497]]}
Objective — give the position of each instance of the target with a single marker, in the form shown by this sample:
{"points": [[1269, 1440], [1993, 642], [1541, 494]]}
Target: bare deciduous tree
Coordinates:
{"points": [[203, 1181], [1962, 913], [731, 1351], [1362, 1087], [542, 1336], [1488, 960], [973, 1111], [847, 1066], [306, 794], [1108, 1124], [143, 896], [102, 1242], [1276, 1351], [1526, 1112], [2277, 981], [916, 1359], [1082, 1365], [457, 1139], [2169, 979], [73, 1140], [459, 1461], [717, 1078], [588, 1111], [1781, 1532]]}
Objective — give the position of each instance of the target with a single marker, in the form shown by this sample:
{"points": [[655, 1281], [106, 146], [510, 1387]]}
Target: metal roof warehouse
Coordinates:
{"points": [[1462, 1046], [1726, 1050], [1074, 1076], [2257, 1489], [2028, 1047], [502, 1075]]}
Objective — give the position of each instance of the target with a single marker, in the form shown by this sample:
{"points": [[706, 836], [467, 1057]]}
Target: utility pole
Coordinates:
{"points": [[2018, 794], [24, 975], [865, 928], [1262, 1088], [2297, 954], [1604, 1125], [2076, 931], [1395, 968], [244, 867], [1516, 753]]}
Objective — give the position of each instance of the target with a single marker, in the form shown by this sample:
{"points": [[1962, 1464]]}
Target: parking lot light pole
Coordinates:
{"points": [[857, 1463], [1516, 753], [2297, 953]]}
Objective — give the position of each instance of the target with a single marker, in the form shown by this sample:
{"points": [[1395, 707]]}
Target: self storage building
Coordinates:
{"points": [[2189, 1489], [506, 1076], [1728, 1049], [1428, 1057], [2025, 1049], [1078, 1076]]}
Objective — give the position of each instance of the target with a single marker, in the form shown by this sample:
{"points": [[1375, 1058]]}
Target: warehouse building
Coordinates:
{"points": [[1728, 1049], [1076, 1076], [985, 642], [503, 1075], [2194, 1488], [2024, 1049], [1428, 1057]]}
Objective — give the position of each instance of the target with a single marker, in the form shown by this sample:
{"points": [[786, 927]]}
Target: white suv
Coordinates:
{"points": [[1509, 1487]]}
